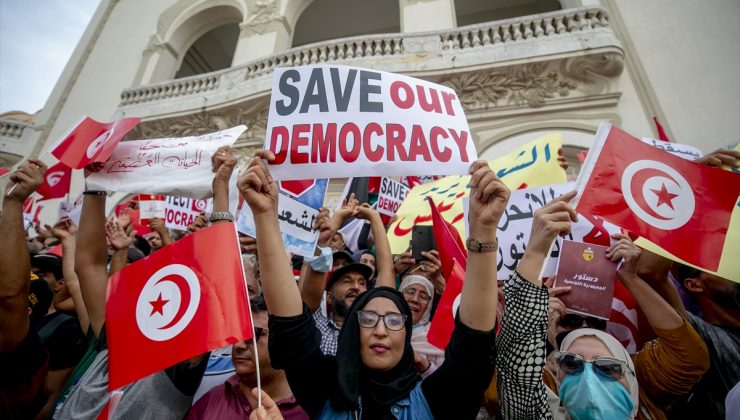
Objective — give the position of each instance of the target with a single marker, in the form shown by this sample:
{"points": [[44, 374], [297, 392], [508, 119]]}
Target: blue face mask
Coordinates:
{"points": [[589, 395]]}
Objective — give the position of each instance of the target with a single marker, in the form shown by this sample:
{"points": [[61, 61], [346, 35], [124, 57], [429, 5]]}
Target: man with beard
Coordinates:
{"points": [[236, 398], [344, 285]]}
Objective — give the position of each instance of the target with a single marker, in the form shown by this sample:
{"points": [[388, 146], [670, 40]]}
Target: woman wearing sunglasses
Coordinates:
{"points": [[597, 377], [373, 374]]}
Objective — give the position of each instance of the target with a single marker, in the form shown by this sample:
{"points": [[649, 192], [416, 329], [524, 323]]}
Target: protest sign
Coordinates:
{"points": [[391, 196], [516, 223], [150, 207], [681, 150], [532, 164], [590, 276], [296, 214], [338, 121], [171, 166], [179, 212]]}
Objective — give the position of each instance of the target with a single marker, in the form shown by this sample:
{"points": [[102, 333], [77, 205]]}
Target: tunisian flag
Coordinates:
{"points": [[56, 182], [682, 206], [91, 141], [180, 302], [443, 323]]}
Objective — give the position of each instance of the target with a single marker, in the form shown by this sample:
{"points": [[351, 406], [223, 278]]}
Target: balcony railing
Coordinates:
{"points": [[12, 128], [491, 43]]}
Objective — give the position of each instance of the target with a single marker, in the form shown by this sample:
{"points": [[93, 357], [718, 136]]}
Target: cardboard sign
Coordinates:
{"points": [[590, 275], [150, 207], [180, 212], [296, 216], [172, 166], [391, 196], [681, 150], [532, 164], [336, 121]]}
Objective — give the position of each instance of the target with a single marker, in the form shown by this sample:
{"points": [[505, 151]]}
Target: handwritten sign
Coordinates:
{"points": [[590, 275], [337, 121], [172, 166], [296, 216], [180, 212], [516, 224], [681, 150], [151, 206], [533, 164], [391, 196]]}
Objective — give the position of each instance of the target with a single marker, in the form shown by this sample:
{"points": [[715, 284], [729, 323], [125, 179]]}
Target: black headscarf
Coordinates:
{"points": [[379, 390]]}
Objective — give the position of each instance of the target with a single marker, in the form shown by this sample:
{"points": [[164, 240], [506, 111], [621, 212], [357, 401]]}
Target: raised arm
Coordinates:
{"points": [[261, 194], [90, 258], [65, 230], [383, 257], [15, 265], [313, 281], [120, 239], [488, 198], [223, 163]]}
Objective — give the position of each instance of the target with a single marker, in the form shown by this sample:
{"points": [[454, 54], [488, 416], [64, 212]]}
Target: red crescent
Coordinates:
{"points": [[185, 297], [636, 184]]}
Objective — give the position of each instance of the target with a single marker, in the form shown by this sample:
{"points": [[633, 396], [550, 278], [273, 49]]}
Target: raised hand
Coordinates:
{"points": [[624, 248], [322, 223], [721, 157], [124, 219], [222, 164], [256, 185], [365, 212], [24, 181], [550, 221], [64, 229], [432, 268], [348, 209], [157, 225], [404, 261], [199, 223], [488, 198], [118, 238]]}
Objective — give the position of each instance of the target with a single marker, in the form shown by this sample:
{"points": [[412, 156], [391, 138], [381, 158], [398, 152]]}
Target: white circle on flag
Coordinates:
{"points": [[455, 305], [53, 178], [658, 194], [168, 302], [98, 143]]}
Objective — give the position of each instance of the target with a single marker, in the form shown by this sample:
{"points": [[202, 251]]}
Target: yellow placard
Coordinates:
{"points": [[531, 165]]}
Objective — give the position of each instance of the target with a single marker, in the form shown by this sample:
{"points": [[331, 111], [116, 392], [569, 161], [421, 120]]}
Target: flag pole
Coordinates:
{"points": [[251, 320]]}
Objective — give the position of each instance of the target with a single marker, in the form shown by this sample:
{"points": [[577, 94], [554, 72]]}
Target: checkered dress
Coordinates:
{"points": [[329, 333]]}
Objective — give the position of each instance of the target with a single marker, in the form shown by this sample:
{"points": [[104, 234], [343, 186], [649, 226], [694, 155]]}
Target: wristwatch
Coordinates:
{"points": [[221, 215], [477, 246]]}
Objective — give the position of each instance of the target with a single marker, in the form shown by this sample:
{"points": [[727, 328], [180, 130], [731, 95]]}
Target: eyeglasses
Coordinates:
{"points": [[423, 296], [571, 363], [392, 320], [574, 321]]}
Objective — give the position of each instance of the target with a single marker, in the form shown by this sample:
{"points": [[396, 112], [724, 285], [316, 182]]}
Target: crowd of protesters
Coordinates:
{"points": [[344, 334]]}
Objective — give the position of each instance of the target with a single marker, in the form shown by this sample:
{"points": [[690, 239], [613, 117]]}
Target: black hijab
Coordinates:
{"points": [[379, 390]]}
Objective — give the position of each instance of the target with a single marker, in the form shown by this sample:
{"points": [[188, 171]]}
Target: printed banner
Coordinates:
{"points": [[334, 121], [298, 207], [681, 150], [180, 212], [171, 166], [533, 164], [150, 207], [391, 196]]}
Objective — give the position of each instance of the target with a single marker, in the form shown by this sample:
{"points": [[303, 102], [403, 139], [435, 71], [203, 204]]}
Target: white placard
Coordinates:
{"points": [[337, 121], [151, 207], [681, 150], [179, 212], [172, 166], [391, 196]]}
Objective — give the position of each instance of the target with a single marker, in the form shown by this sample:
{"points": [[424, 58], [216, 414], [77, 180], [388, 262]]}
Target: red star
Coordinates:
{"points": [[664, 197], [158, 305]]}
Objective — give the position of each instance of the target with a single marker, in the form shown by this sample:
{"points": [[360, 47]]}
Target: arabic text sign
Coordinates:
{"points": [[391, 196], [337, 121], [179, 212], [681, 150], [590, 275], [173, 166], [533, 164], [296, 216]]}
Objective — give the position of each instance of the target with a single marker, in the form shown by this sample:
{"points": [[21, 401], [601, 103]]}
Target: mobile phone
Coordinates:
{"points": [[422, 240]]}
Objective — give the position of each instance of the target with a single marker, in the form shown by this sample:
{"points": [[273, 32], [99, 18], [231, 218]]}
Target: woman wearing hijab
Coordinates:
{"points": [[373, 374], [419, 292], [598, 379]]}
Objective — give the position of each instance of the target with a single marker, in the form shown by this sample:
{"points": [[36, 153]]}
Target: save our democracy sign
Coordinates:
{"points": [[337, 121], [391, 196]]}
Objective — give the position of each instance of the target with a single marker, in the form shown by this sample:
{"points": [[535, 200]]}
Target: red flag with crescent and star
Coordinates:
{"points": [[57, 180], [682, 206], [180, 302], [91, 141]]}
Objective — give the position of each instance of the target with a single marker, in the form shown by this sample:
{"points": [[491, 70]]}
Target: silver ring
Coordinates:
{"points": [[423, 268]]}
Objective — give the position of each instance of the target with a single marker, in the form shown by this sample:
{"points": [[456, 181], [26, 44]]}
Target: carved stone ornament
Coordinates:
{"points": [[261, 14], [593, 72]]}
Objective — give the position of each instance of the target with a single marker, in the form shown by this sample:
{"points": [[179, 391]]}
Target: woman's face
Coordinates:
{"points": [[418, 299], [381, 348], [590, 347]]}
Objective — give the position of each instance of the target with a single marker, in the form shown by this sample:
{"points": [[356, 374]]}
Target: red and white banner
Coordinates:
{"points": [[679, 205], [391, 196], [334, 121], [180, 302], [180, 212], [56, 182], [172, 166], [91, 141], [150, 207]]}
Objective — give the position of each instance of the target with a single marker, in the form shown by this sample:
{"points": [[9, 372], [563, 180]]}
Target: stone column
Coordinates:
{"points": [[427, 15], [264, 32]]}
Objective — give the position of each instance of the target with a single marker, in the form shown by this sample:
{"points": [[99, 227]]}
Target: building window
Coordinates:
{"points": [[358, 17], [212, 51], [470, 12]]}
